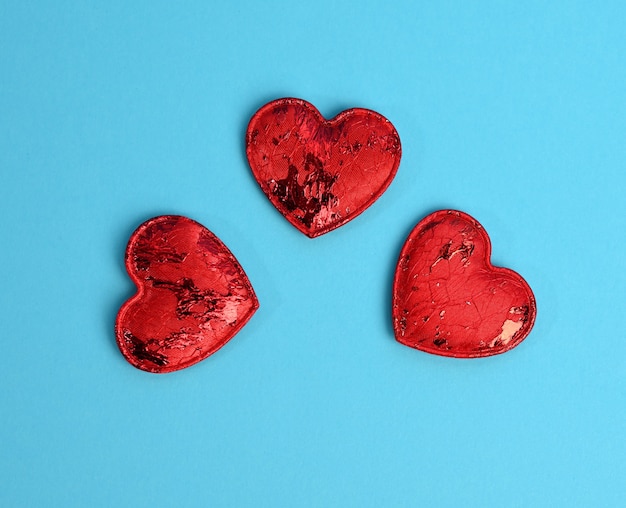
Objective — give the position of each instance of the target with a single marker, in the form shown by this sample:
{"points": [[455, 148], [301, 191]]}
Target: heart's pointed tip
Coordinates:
{"points": [[256, 305], [314, 233]]}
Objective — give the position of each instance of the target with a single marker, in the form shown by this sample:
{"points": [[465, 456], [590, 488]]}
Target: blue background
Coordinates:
{"points": [[111, 114]]}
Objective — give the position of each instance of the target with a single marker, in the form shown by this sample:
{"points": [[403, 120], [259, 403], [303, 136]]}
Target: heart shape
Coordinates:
{"points": [[321, 173], [193, 296], [449, 300]]}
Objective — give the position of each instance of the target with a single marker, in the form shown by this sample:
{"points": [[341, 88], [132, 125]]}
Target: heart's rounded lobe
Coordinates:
{"points": [[321, 173], [449, 300], [192, 298]]}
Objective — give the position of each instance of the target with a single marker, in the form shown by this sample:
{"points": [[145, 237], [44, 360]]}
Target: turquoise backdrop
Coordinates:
{"points": [[113, 112]]}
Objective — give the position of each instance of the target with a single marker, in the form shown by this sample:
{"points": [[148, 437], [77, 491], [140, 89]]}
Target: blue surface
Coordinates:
{"points": [[112, 113]]}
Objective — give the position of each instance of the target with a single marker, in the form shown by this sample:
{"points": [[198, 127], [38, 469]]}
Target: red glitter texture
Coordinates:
{"points": [[321, 173], [449, 300], [193, 296]]}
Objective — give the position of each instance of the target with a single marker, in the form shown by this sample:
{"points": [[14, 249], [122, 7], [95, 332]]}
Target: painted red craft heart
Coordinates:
{"points": [[321, 173], [449, 300], [193, 296]]}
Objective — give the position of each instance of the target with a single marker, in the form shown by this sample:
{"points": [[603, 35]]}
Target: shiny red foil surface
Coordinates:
{"points": [[449, 300], [321, 173], [192, 298]]}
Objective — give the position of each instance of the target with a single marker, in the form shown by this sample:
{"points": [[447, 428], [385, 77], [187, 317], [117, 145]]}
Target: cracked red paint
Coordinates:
{"points": [[449, 300], [192, 298], [321, 173]]}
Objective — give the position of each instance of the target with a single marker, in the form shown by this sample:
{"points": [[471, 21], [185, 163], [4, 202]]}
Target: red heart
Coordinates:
{"points": [[449, 300], [193, 296], [321, 173]]}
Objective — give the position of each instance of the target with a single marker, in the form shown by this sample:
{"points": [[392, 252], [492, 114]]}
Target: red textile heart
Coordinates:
{"points": [[321, 173], [449, 300], [193, 296]]}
